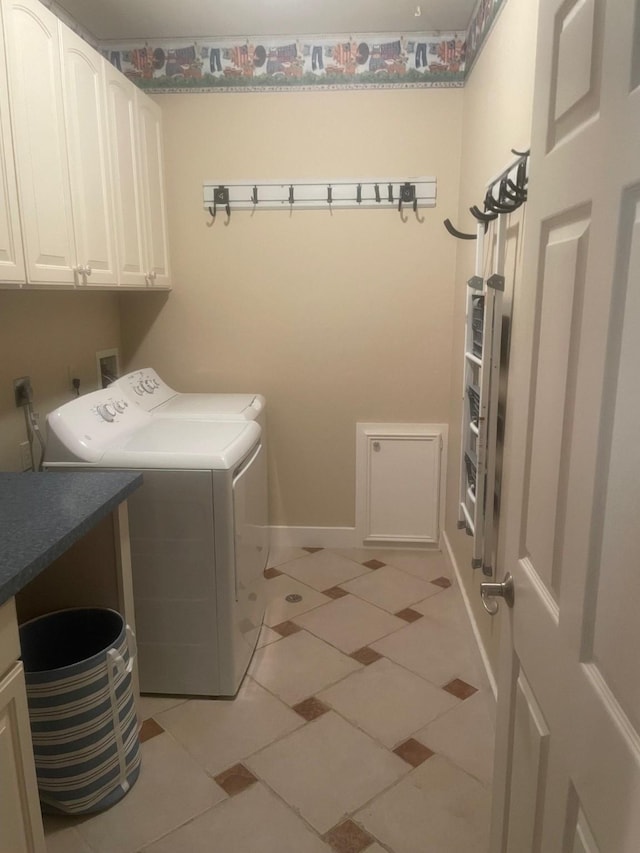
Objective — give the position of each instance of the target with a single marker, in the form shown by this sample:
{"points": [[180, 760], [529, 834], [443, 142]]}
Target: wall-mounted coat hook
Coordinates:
{"points": [[377, 192], [359, 194], [221, 196], [329, 194], [482, 217], [459, 234], [254, 195], [291, 195], [390, 192]]}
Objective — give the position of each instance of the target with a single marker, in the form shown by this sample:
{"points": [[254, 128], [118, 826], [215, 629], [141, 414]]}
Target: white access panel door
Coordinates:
{"points": [[153, 193], [398, 489], [87, 140], [567, 770], [35, 92], [123, 127], [11, 255]]}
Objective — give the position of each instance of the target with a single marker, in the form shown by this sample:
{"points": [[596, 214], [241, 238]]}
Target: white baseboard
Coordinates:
{"points": [[471, 615], [313, 537]]}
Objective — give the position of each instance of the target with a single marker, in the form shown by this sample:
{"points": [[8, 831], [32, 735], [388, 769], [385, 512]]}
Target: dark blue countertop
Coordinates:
{"points": [[42, 515]]}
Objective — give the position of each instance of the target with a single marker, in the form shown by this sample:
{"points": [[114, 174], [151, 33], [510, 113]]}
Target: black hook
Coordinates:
{"points": [[291, 198], [221, 196], [254, 195], [359, 194], [390, 191], [212, 210], [521, 153], [329, 195], [377, 191], [482, 217], [459, 234]]}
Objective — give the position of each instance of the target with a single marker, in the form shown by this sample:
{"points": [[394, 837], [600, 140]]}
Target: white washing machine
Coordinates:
{"points": [[198, 532], [145, 388]]}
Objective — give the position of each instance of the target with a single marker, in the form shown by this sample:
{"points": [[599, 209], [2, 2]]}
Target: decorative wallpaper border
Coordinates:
{"points": [[303, 63], [482, 19]]}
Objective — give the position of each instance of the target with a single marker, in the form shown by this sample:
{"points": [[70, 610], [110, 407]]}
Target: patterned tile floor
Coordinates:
{"points": [[365, 724]]}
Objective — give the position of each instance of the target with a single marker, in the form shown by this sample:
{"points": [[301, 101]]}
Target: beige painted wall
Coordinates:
{"points": [[498, 99], [336, 319], [42, 335]]}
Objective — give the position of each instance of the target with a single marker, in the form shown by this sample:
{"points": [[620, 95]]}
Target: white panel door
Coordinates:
{"points": [[153, 192], [125, 175], [11, 255], [20, 819], [87, 140], [35, 92], [567, 772]]}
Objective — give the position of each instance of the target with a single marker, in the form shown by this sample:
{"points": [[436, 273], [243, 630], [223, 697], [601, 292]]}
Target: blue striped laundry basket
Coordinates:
{"points": [[82, 712]]}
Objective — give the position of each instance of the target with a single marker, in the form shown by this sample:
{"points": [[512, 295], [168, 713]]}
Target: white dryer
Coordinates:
{"points": [[198, 532], [147, 390]]}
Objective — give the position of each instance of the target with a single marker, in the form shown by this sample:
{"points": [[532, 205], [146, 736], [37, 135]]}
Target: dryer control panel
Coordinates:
{"points": [[143, 388]]}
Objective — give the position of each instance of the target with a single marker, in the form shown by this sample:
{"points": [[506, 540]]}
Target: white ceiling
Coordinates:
{"points": [[165, 19]]}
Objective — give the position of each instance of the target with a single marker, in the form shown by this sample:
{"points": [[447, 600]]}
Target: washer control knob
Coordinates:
{"points": [[138, 390], [156, 384], [106, 412], [119, 405], [147, 384]]}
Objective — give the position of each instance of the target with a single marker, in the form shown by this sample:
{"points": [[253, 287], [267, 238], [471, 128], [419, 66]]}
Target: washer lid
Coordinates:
{"points": [[218, 406], [179, 444]]}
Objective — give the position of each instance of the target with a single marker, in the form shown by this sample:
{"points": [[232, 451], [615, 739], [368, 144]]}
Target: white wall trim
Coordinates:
{"points": [[474, 624], [313, 537]]}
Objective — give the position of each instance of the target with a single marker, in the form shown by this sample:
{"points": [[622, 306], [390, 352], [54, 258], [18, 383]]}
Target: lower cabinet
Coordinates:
{"points": [[20, 818]]}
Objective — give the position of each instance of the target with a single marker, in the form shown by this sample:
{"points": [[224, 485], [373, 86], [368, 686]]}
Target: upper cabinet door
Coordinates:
{"points": [[153, 191], [35, 90], [11, 256], [84, 95], [123, 133]]}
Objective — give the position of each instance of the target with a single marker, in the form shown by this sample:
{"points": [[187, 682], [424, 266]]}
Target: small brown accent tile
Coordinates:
{"points": [[150, 728], [348, 837], [413, 752], [335, 592], [365, 655], [409, 615], [313, 550], [235, 780], [445, 583], [311, 709], [460, 689], [271, 573], [285, 629], [374, 564]]}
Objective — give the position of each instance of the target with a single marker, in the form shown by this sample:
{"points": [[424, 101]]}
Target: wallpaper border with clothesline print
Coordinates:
{"points": [[304, 63]]}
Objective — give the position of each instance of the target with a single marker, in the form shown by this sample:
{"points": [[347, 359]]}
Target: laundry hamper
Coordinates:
{"points": [[81, 708]]}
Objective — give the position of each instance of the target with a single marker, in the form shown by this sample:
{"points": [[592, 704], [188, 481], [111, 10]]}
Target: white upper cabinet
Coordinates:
{"points": [[87, 147], [153, 200], [87, 144], [11, 255], [35, 89], [123, 129]]}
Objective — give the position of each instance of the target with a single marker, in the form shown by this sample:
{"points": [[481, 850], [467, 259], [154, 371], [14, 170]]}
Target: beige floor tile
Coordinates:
{"points": [[221, 732], [445, 608], [278, 555], [279, 609], [151, 705], [387, 701], [390, 588], [327, 769], [299, 666], [171, 790], [267, 636], [434, 651], [324, 569], [349, 623], [253, 822], [426, 564], [437, 807], [359, 555], [465, 735], [61, 838]]}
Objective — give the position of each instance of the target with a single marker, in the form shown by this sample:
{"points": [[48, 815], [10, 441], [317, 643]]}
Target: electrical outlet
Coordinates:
{"points": [[25, 456], [22, 391]]}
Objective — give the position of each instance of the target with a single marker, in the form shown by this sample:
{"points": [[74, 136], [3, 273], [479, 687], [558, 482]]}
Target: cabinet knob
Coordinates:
{"points": [[376, 446]]}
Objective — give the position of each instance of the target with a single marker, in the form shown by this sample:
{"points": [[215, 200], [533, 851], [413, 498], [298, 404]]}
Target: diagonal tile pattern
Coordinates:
{"points": [[365, 724]]}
